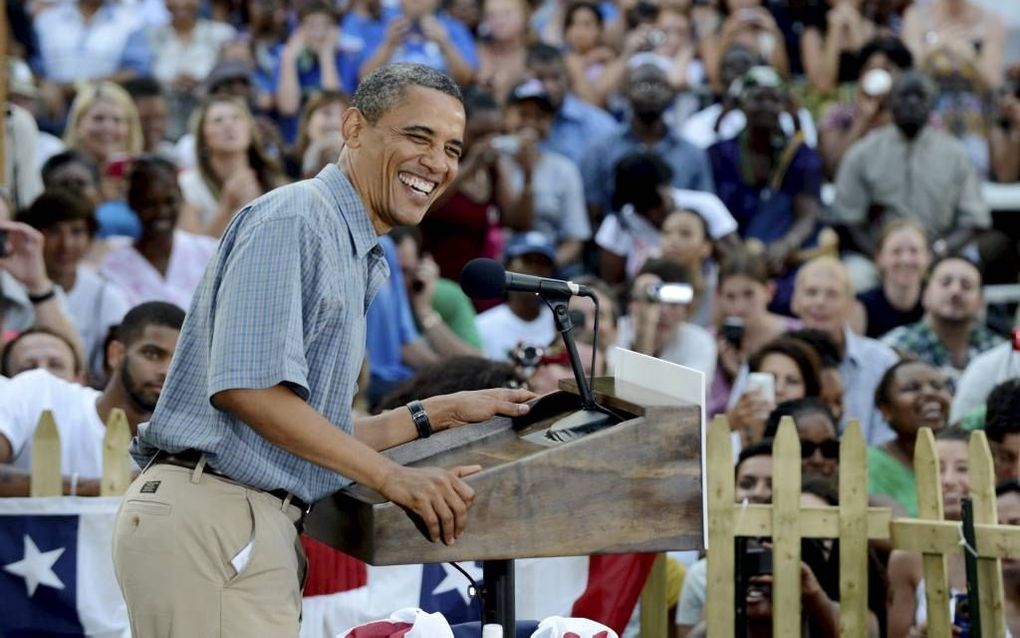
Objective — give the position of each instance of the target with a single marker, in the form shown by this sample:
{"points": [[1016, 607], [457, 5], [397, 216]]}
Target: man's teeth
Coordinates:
{"points": [[417, 183]]}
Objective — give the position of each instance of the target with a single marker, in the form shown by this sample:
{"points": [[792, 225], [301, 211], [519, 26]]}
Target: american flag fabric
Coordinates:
{"points": [[56, 578]]}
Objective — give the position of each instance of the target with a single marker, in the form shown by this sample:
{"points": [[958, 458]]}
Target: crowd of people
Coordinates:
{"points": [[784, 195]]}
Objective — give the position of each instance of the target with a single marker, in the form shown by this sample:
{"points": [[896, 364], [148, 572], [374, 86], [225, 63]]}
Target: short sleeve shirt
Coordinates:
{"points": [[282, 302]]}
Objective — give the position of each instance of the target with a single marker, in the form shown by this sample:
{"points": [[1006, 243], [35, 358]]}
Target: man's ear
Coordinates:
{"points": [[352, 126], [115, 353]]}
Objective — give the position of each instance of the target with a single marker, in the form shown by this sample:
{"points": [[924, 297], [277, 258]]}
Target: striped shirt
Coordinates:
{"points": [[282, 301]]}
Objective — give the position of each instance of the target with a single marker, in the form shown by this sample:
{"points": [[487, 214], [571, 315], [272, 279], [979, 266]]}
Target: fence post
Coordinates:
{"points": [[853, 533], [786, 612], [981, 475], [46, 477], [721, 590], [929, 507], [654, 612], [116, 461]]}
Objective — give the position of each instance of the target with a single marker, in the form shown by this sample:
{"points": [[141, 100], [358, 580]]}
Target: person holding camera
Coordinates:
{"points": [[657, 323], [550, 194], [419, 32]]}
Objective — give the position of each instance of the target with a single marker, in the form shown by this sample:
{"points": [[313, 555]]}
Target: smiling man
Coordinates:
{"points": [[951, 332], [255, 421], [823, 298], [139, 356]]}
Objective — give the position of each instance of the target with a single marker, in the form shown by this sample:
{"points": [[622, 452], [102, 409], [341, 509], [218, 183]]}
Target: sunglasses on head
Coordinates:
{"points": [[828, 448]]}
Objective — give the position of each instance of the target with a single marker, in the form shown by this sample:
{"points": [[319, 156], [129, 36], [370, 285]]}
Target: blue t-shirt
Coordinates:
{"points": [[415, 48], [389, 324], [310, 81]]}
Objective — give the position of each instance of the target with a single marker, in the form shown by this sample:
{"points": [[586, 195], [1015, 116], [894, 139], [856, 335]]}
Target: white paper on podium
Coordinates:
{"points": [[681, 382]]}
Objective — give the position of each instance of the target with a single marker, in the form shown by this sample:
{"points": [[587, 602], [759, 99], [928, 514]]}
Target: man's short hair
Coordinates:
{"points": [[64, 158], [385, 87], [952, 257], [543, 54], [668, 271], [56, 205], [142, 87], [151, 313], [5, 355], [1003, 411], [825, 261]]}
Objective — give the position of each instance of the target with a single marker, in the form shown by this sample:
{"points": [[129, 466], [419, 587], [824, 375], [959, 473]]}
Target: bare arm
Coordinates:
{"points": [[395, 33], [1005, 148], [612, 268], [394, 427], [439, 497], [568, 252], [288, 88], [904, 571], [15, 482], [817, 57]]}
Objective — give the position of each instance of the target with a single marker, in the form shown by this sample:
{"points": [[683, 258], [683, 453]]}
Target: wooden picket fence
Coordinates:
{"points": [[853, 523], [47, 478]]}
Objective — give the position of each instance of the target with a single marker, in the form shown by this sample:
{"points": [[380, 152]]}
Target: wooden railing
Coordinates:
{"points": [[47, 474], [853, 523]]}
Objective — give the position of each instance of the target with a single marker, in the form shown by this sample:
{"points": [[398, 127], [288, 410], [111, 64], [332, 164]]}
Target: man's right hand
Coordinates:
{"points": [[438, 496]]}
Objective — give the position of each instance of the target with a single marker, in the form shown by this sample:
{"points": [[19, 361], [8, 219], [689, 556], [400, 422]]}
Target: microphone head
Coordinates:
{"points": [[483, 279]]}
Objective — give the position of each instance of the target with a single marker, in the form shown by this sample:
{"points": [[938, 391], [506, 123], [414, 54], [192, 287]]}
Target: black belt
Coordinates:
{"points": [[189, 459]]}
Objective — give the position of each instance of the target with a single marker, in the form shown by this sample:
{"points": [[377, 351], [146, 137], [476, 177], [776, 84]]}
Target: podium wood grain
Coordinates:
{"points": [[631, 487]]}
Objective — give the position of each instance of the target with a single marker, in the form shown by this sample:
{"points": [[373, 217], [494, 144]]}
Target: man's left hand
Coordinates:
{"points": [[452, 410]]}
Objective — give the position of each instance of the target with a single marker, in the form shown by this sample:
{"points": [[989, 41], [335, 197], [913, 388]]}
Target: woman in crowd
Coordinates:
{"points": [[501, 54], [686, 241], [465, 221], [911, 395], [165, 263], [902, 258], [748, 23], [231, 168], [796, 373], [103, 124], [743, 323], [586, 55], [818, 433], [320, 119], [844, 123], [907, 613], [829, 46]]}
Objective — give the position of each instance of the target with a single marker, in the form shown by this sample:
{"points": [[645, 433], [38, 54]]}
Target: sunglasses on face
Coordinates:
{"points": [[828, 448]]}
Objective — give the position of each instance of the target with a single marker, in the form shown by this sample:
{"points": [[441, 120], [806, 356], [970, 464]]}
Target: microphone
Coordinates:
{"points": [[486, 279]]}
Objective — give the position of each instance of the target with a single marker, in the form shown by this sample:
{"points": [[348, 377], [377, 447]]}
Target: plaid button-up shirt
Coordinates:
{"points": [[920, 339], [282, 301]]}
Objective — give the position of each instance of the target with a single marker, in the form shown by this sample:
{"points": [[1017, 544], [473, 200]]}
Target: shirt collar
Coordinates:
{"points": [[351, 209], [853, 345]]}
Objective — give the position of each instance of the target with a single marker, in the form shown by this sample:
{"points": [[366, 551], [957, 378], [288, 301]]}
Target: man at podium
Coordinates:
{"points": [[254, 422]]}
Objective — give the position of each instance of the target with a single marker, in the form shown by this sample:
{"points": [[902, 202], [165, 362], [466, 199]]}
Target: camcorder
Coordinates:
{"points": [[668, 293]]}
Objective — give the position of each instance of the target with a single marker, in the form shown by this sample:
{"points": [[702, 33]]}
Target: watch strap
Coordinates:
{"points": [[420, 419]]}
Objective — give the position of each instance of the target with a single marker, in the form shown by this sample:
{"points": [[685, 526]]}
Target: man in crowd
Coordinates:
{"points": [[41, 348], [1002, 426], [524, 317], [908, 169], [550, 187], [67, 221], [951, 333], [823, 298], [139, 357], [255, 418], [648, 92], [576, 124]]}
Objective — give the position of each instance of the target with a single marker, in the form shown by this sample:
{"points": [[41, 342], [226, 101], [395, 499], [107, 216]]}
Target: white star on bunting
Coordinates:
{"points": [[455, 581], [37, 567]]}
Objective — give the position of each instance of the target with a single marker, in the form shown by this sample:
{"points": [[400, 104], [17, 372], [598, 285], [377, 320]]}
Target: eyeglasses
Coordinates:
{"points": [[828, 448]]}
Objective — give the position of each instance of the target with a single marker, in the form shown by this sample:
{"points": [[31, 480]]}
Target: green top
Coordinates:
{"points": [[456, 310], [975, 419], [889, 477]]}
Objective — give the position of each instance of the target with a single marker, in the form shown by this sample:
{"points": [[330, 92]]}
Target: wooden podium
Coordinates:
{"points": [[635, 486]]}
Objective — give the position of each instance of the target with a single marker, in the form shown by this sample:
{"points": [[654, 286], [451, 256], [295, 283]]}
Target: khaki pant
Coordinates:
{"points": [[179, 534]]}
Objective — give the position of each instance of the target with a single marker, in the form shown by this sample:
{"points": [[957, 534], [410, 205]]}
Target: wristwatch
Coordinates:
{"points": [[46, 296], [420, 418]]}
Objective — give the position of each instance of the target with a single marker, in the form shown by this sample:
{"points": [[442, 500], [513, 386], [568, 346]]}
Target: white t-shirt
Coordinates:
{"points": [[629, 234], [22, 401], [501, 330], [96, 304], [690, 346], [699, 129]]}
